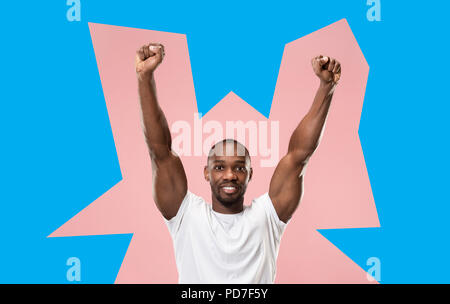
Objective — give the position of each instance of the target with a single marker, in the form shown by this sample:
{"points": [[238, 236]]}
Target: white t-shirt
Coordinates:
{"points": [[212, 247]]}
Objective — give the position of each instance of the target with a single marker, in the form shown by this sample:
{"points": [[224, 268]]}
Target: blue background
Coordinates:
{"points": [[58, 153]]}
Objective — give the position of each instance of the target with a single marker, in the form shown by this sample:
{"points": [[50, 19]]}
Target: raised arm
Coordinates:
{"points": [[169, 178], [286, 186]]}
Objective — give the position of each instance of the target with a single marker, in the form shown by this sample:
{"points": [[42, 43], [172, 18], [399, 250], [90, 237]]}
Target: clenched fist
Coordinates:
{"points": [[148, 57], [327, 69]]}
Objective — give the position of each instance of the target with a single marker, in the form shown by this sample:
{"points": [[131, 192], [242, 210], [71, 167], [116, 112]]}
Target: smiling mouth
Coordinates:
{"points": [[229, 189]]}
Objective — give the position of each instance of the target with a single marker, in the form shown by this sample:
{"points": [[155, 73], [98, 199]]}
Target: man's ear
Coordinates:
{"points": [[251, 174], [206, 173]]}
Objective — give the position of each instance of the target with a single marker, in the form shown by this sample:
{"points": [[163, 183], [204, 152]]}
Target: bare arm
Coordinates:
{"points": [[169, 178], [286, 186]]}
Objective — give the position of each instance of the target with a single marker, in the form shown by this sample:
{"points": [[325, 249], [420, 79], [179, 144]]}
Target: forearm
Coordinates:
{"points": [[306, 136], [154, 122]]}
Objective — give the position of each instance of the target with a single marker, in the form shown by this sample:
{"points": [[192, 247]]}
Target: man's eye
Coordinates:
{"points": [[241, 169], [218, 168]]}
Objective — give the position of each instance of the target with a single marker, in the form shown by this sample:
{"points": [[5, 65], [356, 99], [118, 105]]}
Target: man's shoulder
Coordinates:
{"points": [[263, 198], [260, 202], [194, 199], [190, 207], [264, 202]]}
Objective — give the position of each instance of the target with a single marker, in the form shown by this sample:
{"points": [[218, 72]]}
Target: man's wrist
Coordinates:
{"points": [[328, 86], [145, 77]]}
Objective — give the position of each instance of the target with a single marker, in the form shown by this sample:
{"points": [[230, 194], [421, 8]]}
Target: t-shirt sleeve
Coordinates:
{"points": [[174, 224], [277, 226]]}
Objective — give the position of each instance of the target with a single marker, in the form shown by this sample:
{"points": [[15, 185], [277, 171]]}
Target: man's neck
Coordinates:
{"points": [[236, 207]]}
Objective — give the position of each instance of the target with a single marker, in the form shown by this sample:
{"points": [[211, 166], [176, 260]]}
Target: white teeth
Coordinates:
{"points": [[229, 188]]}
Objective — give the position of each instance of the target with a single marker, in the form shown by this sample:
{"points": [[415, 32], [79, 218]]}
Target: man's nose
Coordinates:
{"points": [[229, 174]]}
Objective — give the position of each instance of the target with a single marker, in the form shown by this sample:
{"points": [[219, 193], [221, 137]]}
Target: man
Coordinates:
{"points": [[227, 242]]}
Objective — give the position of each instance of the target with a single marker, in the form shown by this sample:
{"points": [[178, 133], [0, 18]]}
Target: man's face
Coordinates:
{"points": [[228, 174]]}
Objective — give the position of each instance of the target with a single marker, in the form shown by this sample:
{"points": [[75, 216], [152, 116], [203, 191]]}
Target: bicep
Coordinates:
{"points": [[286, 186], [169, 184]]}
